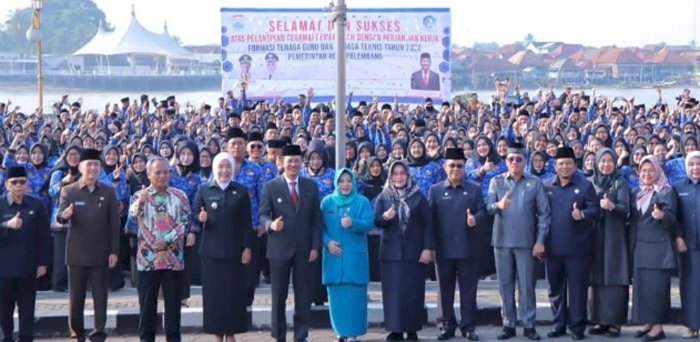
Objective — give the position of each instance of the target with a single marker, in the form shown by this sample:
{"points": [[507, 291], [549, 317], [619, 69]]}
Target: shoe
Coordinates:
{"points": [[470, 335], [554, 333], [446, 335], [340, 339], [689, 333], [658, 337], [577, 336], [394, 337], [641, 333], [613, 331], [506, 333], [531, 334], [301, 340], [598, 330], [414, 336]]}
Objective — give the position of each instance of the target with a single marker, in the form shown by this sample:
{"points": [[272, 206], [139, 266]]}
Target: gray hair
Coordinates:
{"points": [[153, 161]]}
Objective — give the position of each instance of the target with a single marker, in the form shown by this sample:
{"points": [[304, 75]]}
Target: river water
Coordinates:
{"points": [[27, 98]]}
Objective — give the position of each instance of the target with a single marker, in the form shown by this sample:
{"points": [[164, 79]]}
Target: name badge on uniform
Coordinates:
{"points": [[683, 194], [576, 191], [79, 204], [31, 212], [214, 205], [279, 200], [465, 193], [8, 215], [527, 185], [234, 192]]}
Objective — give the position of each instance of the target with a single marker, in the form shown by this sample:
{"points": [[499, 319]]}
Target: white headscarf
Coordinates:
{"points": [[691, 155], [222, 156]]}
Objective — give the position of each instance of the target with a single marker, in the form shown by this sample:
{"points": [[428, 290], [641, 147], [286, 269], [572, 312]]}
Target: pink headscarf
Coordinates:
{"points": [[647, 191]]}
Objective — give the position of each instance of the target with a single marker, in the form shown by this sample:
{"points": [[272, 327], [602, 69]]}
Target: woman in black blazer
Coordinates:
{"points": [[223, 208], [651, 238]]}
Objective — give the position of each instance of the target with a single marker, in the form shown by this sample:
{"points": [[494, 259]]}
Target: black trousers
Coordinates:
{"points": [[59, 272], [149, 283], [280, 269], [78, 278], [252, 271], [192, 275], [466, 272], [568, 291], [22, 293]]}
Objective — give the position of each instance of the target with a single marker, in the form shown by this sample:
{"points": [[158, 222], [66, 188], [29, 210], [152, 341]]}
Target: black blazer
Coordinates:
{"points": [[229, 227], [303, 228], [652, 240], [23, 250], [407, 245]]}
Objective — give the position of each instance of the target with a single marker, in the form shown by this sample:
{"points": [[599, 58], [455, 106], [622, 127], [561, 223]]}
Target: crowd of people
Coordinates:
{"points": [[588, 191]]}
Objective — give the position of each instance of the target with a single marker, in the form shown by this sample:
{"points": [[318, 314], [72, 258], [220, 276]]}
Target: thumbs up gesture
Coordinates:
{"points": [[488, 165], [346, 221], [471, 220], [657, 213], [67, 213], [390, 213], [143, 195], [576, 213], [203, 217], [15, 222], [278, 224], [606, 203], [504, 203]]}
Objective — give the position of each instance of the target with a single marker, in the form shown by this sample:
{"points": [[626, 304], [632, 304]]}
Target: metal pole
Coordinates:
{"points": [[39, 80], [339, 16]]}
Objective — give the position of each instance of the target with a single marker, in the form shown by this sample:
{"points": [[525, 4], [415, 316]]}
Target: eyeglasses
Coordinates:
{"points": [[455, 166], [399, 174], [256, 146], [516, 160], [18, 182]]}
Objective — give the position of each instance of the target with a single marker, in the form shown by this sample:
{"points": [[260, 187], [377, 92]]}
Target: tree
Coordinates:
{"points": [[529, 38], [66, 26]]}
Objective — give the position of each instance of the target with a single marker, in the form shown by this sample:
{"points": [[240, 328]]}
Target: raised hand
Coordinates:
{"points": [[576, 213]]}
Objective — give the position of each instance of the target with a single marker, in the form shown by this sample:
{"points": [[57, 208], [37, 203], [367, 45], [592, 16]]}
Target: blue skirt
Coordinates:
{"points": [[348, 309], [690, 288]]}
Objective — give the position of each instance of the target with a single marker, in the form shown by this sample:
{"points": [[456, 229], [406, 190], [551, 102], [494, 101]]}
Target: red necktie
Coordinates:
{"points": [[425, 79], [295, 196]]}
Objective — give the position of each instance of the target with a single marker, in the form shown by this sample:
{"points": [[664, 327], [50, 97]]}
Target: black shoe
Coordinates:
{"points": [[531, 334], [556, 333], [506, 333], [302, 340], [577, 336], [613, 331], [641, 333], [447, 334], [394, 337], [598, 330], [413, 336], [470, 335], [649, 338]]}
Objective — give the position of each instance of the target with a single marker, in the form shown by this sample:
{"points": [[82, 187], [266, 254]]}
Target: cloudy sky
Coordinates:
{"points": [[590, 22]]}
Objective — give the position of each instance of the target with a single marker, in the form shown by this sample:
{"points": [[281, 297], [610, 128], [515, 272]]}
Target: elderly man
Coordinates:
{"points": [[163, 216], [24, 240], [569, 244], [519, 202], [91, 210]]}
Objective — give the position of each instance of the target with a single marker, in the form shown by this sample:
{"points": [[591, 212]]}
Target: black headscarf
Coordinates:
{"points": [[350, 162], [417, 161], [545, 158], [493, 153], [109, 168], [169, 144], [194, 166], [138, 179], [374, 185], [318, 147], [205, 172], [588, 173], [603, 182], [44, 150]]}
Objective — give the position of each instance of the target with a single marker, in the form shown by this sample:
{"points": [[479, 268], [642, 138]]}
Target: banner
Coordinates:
{"points": [[389, 52]]}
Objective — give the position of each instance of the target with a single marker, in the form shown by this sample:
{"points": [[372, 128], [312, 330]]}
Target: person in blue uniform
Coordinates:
{"points": [[687, 194], [184, 176], [403, 214], [373, 184], [316, 169], [456, 207], [225, 249], [64, 173], [24, 239], [38, 170], [250, 175], [347, 218], [425, 171], [568, 244], [653, 229]]}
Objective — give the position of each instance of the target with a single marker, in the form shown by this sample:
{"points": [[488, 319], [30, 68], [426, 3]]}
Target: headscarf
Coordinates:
{"points": [[319, 147], [647, 191], [493, 153], [205, 172], [608, 142], [401, 195], [545, 158], [139, 179], [44, 150], [377, 183], [588, 173], [685, 140], [388, 153], [353, 145], [691, 155], [219, 158], [634, 165], [417, 161], [170, 145], [438, 156], [109, 168], [194, 166], [600, 181], [339, 198]]}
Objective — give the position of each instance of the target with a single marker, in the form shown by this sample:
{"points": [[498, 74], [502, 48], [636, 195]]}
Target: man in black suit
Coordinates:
{"points": [[425, 79], [290, 210], [24, 249]]}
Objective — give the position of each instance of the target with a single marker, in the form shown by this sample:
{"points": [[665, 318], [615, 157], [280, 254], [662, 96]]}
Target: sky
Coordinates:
{"points": [[588, 22]]}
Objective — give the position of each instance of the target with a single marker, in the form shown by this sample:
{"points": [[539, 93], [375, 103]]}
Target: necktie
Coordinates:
{"points": [[295, 196], [425, 79]]}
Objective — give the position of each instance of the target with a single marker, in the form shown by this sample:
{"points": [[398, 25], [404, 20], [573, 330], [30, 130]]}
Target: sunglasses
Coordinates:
{"points": [[18, 182], [516, 160], [256, 146], [455, 166]]}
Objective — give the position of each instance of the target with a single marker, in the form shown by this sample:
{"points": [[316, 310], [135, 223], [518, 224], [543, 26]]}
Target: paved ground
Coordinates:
{"points": [[487, 333]]}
